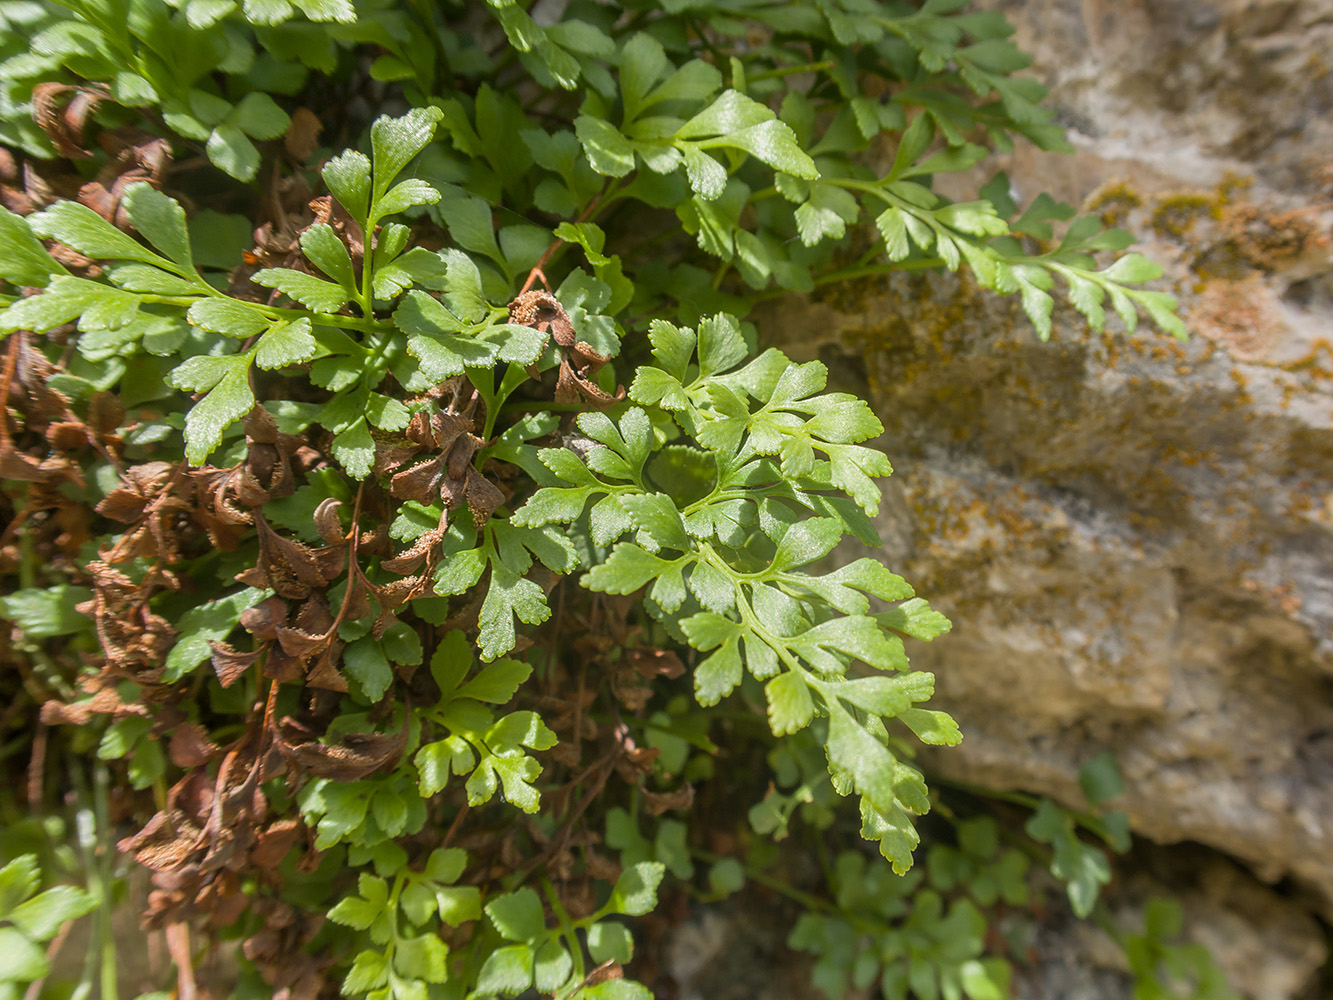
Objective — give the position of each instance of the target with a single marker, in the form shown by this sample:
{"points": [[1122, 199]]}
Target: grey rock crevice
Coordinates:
{"points": [[1134, 536]]}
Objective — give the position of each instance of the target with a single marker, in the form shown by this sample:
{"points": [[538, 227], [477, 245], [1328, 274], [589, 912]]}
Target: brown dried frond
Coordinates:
{"points": [[579, 361], [230, 664], [62, 111], [358, 755], [294, 569]]}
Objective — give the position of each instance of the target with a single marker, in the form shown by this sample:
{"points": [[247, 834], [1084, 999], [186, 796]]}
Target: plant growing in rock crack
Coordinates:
{"points": [[380, 566]]}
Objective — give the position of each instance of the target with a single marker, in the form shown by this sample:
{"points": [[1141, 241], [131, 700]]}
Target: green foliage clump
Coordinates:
{"points": [[30, 919], [409, 589]]}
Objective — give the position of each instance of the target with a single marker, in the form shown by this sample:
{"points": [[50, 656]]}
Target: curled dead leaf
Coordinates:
{"points": [[656, 662], [165, 843], [629, 688], [62, 111], [420, 483], [408, 560], [327, 522], [324, 671], [230, 664], [105, 412], [303, 133], [610, 969], [80, 713], [289, 567], [579, 362], [262, 620], [190, 745], [67, 435], [274, 842], [397, 593], [358, 755], [660, 802]]}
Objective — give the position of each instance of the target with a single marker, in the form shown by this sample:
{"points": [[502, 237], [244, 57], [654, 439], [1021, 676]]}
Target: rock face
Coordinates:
{"points": [[1135, 536], [1265, 946], [1189, 88]]}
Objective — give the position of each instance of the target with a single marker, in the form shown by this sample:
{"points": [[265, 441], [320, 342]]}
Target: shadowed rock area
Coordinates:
{"points": [[1134, 536]]}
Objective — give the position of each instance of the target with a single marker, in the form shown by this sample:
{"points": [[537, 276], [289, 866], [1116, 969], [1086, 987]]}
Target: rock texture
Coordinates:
{"points": [[1188, 88], [1135, 536], [1264, 945]]}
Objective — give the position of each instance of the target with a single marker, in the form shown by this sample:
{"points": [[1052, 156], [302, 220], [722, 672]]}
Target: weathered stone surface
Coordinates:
{"points": [[1267, 948], [737, 951], [1187, 89], [1135, 536], [1135, 539], [1262, 940]]}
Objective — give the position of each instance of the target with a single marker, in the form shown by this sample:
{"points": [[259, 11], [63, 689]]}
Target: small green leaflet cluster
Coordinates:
{"points": [[1166, 970], [801, 787], [665, 142], [492, 753], [977, 234], [943, 51], [556, 55], [28, 919], [369, 814], [396, 906], [669, 847], [912, 939], [156, 297], [457, 736], [505, 549], [399, 915], [129, 738], [509, 550], [551, 959], [1083, 868], [727, 523], [152, 293], [160, 56], [919, 227], [164, 60]]}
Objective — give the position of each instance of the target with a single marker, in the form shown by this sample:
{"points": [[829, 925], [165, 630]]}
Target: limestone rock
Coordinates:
{"points": [[1187, 89], [1135, 536], [1265, 944]]}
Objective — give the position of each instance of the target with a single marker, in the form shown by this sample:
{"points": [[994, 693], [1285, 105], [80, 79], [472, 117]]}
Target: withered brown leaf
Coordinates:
{"points": [[262, 620], [303, 133], [358, 755], [63, 120], [190, 745], [230, 664], [166, 842], [579, 361], [291, 568], [660, 802], [274, 841], [327, 522]]}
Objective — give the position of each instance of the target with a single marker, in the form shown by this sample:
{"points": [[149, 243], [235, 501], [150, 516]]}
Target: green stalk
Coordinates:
{"points": [[366, 301], [811, 67], [359, 323], [567, 930], [90, 819], [106, 932], [807, 900]]}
